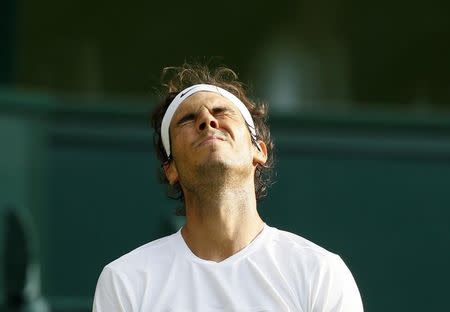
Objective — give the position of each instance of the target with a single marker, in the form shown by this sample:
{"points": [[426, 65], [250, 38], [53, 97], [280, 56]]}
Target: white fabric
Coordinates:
{"points": [[279, 271], [183, 95]]}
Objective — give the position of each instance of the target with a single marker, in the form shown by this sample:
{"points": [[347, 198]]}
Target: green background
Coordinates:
{"points": [[372, 188]]}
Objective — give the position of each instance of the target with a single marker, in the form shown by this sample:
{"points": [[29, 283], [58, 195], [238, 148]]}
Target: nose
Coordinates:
{"points": [[206, 120]]}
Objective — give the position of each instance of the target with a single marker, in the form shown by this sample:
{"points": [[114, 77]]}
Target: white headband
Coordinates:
{"points": [[183, 95]]}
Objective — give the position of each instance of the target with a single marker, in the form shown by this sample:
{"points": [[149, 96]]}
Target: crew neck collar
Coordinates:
{"points": [[182, 247]]}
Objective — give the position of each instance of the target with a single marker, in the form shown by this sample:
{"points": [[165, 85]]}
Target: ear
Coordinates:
{"points": [[171, 172], [260, 156]]}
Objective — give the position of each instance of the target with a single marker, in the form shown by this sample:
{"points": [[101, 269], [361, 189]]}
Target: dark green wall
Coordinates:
{"points": [[8, 42], [372, 188], [376, 52]]}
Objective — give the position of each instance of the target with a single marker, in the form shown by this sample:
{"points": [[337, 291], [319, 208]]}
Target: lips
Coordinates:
{"points": [[210, 139]]}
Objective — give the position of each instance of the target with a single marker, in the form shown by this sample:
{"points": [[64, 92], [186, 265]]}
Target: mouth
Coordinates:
{"points": [[211, 139]]}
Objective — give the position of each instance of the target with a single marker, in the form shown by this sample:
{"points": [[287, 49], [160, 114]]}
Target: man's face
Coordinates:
{"points": [[209, 134]]}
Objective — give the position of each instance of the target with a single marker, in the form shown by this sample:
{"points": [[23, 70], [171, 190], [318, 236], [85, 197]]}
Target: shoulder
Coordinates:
{"points": [[295, 245], [123, 281], [145, 256], [303, 253], [329, 280]]}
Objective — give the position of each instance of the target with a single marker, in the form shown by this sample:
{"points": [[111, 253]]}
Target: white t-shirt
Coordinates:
{"points": [[277, 271]]}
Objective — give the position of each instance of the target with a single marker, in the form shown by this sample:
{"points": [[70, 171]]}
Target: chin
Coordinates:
{"points": [[215, 161], [213, 170]]}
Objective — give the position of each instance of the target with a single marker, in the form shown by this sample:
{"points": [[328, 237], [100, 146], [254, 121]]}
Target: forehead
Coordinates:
{"points": [[203, 98]]}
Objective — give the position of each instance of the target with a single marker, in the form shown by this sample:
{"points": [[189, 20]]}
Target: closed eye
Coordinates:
{"points": [[221, 110], [216, 111], [186, 118]]}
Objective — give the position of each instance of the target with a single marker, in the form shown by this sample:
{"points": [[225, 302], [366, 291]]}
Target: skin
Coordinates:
{"points": [[214, 160]]}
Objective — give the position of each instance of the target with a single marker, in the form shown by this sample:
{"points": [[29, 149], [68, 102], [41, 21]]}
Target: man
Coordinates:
{"points": [[215, 149]]}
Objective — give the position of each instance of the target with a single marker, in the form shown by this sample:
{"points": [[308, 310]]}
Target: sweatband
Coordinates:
{"points": [[183, 95]]}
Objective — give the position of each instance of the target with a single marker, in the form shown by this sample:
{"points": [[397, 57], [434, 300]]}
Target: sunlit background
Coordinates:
{"points": [[359, 95]]}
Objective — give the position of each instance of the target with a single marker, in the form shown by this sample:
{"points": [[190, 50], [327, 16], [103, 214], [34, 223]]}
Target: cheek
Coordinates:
{"points": [[243, 138], [237, 129], [182, 142], [178, 146], [244, 134]]}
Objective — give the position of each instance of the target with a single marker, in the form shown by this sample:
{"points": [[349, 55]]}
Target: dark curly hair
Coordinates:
{"points": [[176, 79]]}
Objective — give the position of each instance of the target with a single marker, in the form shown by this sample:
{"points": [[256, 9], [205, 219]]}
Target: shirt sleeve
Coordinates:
{"points": [[334, 288], [112, 293]]}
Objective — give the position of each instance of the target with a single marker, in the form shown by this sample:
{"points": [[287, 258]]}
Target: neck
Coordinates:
{"points": [[218, 226]]}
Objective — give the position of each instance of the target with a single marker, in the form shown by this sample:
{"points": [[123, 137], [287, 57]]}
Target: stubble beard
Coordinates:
{"points": [[215, 178]]}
